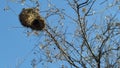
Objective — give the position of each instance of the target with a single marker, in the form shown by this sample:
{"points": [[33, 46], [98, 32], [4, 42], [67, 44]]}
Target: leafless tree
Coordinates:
{"points": [[80, 34]]}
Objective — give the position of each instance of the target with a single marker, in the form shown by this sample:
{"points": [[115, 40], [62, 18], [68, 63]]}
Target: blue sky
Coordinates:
{"points": [[15, 45]]}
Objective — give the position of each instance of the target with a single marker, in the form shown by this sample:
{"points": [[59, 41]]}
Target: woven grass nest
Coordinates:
{"points": [[30, 17]]}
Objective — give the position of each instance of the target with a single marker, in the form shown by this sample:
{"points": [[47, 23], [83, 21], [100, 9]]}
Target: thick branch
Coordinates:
{"points": [[61, 49]]}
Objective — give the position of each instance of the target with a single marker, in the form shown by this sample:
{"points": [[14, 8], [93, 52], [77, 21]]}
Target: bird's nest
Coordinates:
{"points": [[30, 17]]}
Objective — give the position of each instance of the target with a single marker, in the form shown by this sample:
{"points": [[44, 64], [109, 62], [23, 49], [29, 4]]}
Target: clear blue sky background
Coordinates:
{"points": [[14, 44]]}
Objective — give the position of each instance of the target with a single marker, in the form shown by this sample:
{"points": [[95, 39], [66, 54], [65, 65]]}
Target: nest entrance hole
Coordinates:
{"points": [[37, 24]]}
